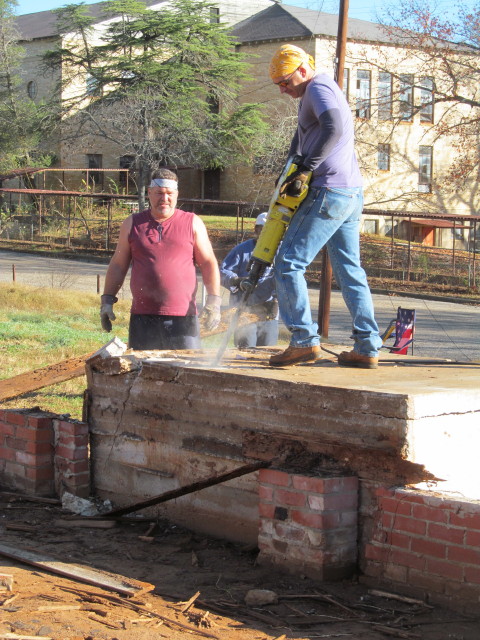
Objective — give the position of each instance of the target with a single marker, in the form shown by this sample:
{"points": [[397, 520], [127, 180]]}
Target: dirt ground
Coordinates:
{"points": [[182, 565]]}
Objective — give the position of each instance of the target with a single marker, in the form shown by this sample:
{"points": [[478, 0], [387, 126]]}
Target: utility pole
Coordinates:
{"points": [[326, 275]]}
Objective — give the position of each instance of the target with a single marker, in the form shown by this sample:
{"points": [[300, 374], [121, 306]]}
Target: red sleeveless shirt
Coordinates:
{"points": [[163, 280]]}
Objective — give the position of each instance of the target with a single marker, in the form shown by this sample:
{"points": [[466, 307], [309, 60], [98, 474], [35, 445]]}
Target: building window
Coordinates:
{"points": [[370, 225], [425, 161], [94, 161], [384, 96], [346, 83], [214, 15], [426, 99], [32, 89], [126, 162], [384, 157], [363, 94], [406, 97]]}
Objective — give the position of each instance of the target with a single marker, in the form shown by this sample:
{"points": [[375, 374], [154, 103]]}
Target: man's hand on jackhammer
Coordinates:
{"points": [[106, 311], [294, 183], [210, 314]]}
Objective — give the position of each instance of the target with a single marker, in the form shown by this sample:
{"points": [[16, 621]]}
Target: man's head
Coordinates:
{"points": [[291, 69], [259, 223], [163, 193]]}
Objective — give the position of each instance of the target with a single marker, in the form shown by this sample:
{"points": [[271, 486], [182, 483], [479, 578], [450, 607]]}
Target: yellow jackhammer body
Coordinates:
{"points": [[280, 213]]}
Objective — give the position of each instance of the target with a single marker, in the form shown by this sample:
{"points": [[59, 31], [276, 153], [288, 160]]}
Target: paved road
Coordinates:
{"points": [[443, 329]]}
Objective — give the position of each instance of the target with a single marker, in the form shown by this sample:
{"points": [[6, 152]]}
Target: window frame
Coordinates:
{"points": [[363, 104]]}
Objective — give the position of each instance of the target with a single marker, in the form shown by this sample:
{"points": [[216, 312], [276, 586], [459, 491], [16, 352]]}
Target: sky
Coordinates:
{"points": [[360, 9]]}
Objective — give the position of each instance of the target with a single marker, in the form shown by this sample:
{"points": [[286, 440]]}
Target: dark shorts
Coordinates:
{"points": [[163, 332]]}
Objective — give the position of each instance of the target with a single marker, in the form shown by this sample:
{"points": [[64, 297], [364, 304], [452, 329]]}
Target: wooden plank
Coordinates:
{"points": [[103, 579], [44, 377], [55, 373]]}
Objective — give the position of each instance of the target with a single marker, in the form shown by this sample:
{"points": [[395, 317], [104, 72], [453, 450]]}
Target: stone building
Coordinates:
{"points": [[403, 161]]}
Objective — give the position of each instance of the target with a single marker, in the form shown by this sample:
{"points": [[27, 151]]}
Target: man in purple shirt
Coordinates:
{"points": [[330, 214]]}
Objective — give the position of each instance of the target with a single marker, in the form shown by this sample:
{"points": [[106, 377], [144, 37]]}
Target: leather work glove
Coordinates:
{"points": [[211, 312], [294, 183], [235, 283], [106, 311]]}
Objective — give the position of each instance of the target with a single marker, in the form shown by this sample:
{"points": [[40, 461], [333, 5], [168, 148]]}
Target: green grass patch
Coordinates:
{"points": [[40, 327]]}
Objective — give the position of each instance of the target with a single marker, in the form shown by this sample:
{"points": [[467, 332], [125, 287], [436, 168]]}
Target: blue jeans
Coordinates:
{"points": [[328, 216]]}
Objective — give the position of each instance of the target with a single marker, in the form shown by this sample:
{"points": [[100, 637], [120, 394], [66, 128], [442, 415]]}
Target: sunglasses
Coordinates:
{"points": [[286, 82]]}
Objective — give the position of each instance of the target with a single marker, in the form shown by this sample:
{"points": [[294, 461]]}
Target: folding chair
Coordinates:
{"points": [[402, 329]]}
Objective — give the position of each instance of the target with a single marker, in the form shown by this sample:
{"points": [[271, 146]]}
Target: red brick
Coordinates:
{"points": [[73, 441], [14, 417], [75, 453], [410, 496], [462, 592], [386, 520], [467, 520], [308, 519], [472, 574], [265, 493], [34, 435], [15, 469], [82, 491], [39, 473], [275, 477], [325, 485], [431, 514], [266, 510], [79, 429], [38, 447], [449, 534], [410, 525], [377, 553], [384, 492], [429, 548], [16, 443], [40, 422], [395, 572], [399, 540], [7, 429], [349, 518], [33, 460], [446, 569], [472, 539], [290, 534], [462, 554], [6, 453], [398, 507], [407, 559], [341, 501], [292, 498], [431, 583]]}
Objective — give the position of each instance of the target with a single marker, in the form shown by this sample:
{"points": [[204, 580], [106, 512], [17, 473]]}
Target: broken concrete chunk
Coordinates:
{"points": [[260, 597], [78, 505], [6, 581]]}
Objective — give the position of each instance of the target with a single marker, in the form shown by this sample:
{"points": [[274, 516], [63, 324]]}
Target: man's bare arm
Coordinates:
{"points": [[120, 262], [205, 258]]}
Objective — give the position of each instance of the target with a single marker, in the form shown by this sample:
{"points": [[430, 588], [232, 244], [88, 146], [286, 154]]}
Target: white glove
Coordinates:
{"points": [[210, 314], [106, 311]]}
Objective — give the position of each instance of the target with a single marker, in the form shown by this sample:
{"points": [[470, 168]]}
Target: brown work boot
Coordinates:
{"points": [[294, 355], [354, 359]]}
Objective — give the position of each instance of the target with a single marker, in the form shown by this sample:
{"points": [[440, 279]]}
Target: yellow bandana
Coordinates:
{"points": [[287, 59]]}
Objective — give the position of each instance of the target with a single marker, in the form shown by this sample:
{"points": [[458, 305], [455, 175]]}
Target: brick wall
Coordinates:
{"points": [[41, 454], [426, 545], [308, 524]]}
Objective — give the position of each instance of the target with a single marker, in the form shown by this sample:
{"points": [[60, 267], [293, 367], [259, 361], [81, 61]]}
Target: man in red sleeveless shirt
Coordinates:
{"points": [[163, 244]]}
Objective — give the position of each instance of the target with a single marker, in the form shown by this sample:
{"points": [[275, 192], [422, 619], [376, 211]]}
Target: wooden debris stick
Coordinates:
{"points": [[188, 603], [323, 597], [58, 607], [9, 600], [102, 579], [26, 498], [20, 526], [84, 522], [396, 596], [190, 488], [44, 377], [14, 636]]}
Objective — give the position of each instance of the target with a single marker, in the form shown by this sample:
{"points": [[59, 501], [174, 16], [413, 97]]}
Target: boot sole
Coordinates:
{"points": [[290, 364], [358, 365]]}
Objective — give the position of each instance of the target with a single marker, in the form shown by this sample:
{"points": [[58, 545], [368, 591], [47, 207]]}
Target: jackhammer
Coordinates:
{"points": [[283, 207]]}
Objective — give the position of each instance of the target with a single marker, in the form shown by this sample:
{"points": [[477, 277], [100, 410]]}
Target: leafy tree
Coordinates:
{"points": [[21, 119], [444, 48], [162, 85]]}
